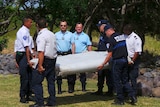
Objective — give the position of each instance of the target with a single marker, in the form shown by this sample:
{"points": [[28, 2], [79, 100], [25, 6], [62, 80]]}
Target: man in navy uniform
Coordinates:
{"points": [[105, 73], [118, 51], [23, 48], [134, 48], [65, 46], [47, 53]]}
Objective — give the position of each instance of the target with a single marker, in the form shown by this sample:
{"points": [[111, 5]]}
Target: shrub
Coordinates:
{"points": [[3, 43]]}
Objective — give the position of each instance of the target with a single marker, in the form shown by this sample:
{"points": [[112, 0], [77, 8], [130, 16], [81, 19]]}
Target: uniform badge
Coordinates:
{"points": [[25, 37]]}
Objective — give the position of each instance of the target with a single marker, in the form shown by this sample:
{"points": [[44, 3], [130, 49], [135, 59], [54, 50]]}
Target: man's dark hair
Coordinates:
{"points": [[26, 18], [128, 28], [42, 23]]}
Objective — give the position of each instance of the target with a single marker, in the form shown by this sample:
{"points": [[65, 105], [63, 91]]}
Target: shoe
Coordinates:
{"points": [[36, 105], [59, 92], [31, 98], [109, 94], [70, 88], [49, 105], [97, 93], [23, 100], [117, 102], [133, 100]]}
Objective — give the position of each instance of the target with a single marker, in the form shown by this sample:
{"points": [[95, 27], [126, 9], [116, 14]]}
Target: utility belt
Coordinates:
{"points": [[64, 53], [19, 56]]}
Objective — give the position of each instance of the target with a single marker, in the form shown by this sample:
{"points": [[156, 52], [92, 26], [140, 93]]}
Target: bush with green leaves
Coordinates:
{"points": [[3, 43]]}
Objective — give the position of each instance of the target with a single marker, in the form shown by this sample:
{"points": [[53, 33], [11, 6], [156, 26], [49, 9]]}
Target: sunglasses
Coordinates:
{"points": [[63, 25]]}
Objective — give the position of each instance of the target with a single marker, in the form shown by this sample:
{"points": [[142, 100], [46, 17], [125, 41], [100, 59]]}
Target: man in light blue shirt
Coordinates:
{"points": [[65, 46], [82, 44]]}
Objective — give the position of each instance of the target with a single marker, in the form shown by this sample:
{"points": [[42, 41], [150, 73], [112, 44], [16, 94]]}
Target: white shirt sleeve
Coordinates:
{"points": [[138, 45], [40, 43]]}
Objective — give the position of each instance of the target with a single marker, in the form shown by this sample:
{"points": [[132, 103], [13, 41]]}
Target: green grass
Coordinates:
{"points": [[152, 45], [9, 88]]}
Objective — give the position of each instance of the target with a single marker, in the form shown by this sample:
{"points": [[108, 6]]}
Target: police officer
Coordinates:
{"points": [[134, 47], [47, 53], [65, 46], [82, 44], [105, 73], [118, 51], [23, 45]]}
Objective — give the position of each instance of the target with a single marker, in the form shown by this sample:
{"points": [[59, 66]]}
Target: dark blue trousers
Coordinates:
{"points": [[133, 71], [37, 79], [25, 73], [120, 76]]}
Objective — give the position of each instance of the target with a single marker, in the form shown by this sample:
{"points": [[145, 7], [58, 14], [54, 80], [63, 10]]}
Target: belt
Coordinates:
{"points": [[46, 57], [64, 53]]}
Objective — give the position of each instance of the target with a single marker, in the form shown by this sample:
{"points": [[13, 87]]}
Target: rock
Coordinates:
{"points": [[144, 89], [142, 71], [148, 75], [156, 92], [156, 81]]}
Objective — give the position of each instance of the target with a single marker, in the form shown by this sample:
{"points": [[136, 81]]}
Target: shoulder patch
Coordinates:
{"points": [[25, 37], [135, 37]]}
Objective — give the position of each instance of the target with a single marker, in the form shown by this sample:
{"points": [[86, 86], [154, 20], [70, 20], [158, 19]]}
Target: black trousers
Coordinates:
{"points": [[25, 73]]}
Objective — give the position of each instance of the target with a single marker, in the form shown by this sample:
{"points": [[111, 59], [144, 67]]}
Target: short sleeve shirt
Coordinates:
{"points": [[117, 45], [64, 41], [134, 44], [22, 39], [46, 42], [82, 41]]}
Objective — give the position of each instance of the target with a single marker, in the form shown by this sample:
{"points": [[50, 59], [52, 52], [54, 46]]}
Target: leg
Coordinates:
{"points": [[71, 82], [83, 81], [50, 76], [24, 79], [37, 86], [59, 84], [109, 82], [117, 70]]}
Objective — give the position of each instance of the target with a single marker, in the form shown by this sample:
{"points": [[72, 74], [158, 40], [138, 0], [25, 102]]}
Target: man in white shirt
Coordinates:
{"points": [[47, 54], [134, 48], [23, 56]]}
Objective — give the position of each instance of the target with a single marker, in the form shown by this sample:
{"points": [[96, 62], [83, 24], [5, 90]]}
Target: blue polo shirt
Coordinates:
{"points": [[81, 42], [64, 41]]}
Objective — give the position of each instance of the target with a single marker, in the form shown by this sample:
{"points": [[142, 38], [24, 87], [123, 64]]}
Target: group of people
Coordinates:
{"points": [[123, 51], [49, 46], [123, 56]]}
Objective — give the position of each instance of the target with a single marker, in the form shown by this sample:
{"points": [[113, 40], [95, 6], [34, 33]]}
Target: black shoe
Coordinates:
{"points": [[109, 94], [70, 91], [117, 102], [23, 100], [133, 100], [36, 105], [59, 92], [97, 93], [49, 105], [31, 98]]}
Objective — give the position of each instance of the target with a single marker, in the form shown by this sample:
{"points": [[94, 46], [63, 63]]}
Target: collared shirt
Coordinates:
{"points": [[31, 45], [134, 44], [64, 41], [46, 42], [81, 42], [117, 45], [22, 39]]}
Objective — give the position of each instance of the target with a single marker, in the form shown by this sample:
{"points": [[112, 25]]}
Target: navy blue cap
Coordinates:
{"points": [[102, 22], [108, 26]]}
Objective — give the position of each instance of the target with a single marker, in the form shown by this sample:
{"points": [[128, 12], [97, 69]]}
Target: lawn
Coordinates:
{"points": [[9, 88]]}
